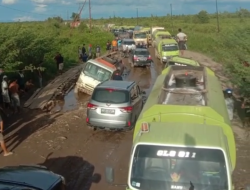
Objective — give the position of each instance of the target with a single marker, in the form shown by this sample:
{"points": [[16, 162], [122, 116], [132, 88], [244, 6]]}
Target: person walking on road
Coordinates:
{"points": [[98, 51], [181, 39], [2, 143], [5, 93]]}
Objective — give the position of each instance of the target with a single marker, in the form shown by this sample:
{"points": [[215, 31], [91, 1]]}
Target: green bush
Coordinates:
{"points": [[24, 44]]}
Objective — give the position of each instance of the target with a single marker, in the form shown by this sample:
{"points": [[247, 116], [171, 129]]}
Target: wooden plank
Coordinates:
{"points": [[47, 93], [30, 100]]}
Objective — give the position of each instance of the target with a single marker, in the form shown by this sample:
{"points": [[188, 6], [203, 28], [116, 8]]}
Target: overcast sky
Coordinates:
{"points": [[27, 10]]}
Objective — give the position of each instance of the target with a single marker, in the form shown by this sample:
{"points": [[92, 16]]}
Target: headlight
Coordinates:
{"points": [[164, 58]]}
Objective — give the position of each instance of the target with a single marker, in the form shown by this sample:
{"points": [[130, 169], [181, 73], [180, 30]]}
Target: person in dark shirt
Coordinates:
{"points": [[83, 49], [56, 58], [117, 76], [59, 62]]}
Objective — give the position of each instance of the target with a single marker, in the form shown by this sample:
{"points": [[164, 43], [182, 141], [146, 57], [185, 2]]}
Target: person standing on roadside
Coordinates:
{"points": [[108, 46], [5, 93], [2, 143], [98, 51], [114, 45], [83, 49], [181, 39], [14, 95], [57, 60], [60, 63], [21, 80]]}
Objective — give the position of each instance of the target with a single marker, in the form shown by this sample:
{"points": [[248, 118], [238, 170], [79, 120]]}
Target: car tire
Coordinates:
{"points": [[91, 128]]}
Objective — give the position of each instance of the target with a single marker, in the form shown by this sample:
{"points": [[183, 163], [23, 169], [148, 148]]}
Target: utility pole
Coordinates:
{"points": [[90, 27], [217, 16], [137, 15], [172, 22]]}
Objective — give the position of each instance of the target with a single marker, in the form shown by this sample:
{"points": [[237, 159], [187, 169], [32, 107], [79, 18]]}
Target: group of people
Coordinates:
{"points": [[85, 54], [11, 89], [114, 45]]}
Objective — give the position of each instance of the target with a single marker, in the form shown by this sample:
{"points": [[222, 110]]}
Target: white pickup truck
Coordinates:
{"points": [[96, 71]]}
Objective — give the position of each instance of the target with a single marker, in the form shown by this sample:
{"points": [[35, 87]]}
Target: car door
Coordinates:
{"points": [[140, 101], [135, 101]]}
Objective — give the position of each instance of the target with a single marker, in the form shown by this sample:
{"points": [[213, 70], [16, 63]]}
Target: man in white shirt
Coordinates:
{"points": [[5, 92], [181, 39]]}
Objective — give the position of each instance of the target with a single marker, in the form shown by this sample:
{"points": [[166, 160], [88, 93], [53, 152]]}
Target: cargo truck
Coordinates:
{"points": [[182, 138], [140, 37], [165, 49]]}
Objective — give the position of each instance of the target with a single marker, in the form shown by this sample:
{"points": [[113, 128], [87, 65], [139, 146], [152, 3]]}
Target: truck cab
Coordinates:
{"points": [[179, 156], [165, 49], [140, 37], [94, 72]]}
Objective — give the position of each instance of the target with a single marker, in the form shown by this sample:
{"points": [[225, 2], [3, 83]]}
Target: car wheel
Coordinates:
{"points": [[91, 127]]}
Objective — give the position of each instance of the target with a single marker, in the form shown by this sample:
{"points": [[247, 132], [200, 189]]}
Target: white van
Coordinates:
{"points": [[94, 72]]}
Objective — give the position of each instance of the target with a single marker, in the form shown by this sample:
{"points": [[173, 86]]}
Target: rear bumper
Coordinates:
{"points": [[108, 124], [142, 63]]}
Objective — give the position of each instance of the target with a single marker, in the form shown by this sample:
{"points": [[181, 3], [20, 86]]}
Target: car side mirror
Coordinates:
{"points": [[248, 187], [109, 174]]}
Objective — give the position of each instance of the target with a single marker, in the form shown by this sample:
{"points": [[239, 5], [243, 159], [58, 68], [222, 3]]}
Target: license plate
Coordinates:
{"points": [[108, 111], [143, 59]]}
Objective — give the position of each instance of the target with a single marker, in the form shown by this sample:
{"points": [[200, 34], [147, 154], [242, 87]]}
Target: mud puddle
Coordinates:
{"points": [[71, 101]]}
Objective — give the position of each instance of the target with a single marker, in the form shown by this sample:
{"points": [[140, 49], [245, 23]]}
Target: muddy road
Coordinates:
{"points": [[62, 142]]}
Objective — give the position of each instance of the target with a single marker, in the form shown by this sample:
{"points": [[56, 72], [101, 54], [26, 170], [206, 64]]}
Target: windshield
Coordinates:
{"points": [[140, 35], [96, 72], [128, 42], [165, 167], [164, 36], [170, 47]]}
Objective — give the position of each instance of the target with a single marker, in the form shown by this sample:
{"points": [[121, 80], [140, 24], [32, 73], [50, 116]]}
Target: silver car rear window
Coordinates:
{"points": [[110, 96]]}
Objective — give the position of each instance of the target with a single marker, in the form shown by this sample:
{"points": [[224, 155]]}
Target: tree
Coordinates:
{"points": [[203, 17]]}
